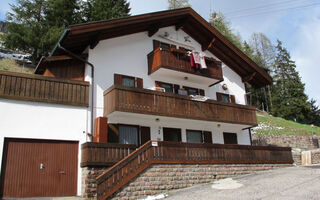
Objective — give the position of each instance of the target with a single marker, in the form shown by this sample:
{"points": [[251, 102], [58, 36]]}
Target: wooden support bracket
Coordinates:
{"points": [[249, 77], [208, 46]]}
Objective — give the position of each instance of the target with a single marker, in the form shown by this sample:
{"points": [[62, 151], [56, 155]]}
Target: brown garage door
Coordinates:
{"points": [[39, 168]]}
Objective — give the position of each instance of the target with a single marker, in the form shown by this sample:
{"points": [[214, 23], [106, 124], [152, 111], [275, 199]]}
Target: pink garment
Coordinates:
{"points": [[191, 60]]}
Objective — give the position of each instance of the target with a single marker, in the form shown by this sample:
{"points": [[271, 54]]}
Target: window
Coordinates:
{"points": [[163, 45], [194, 136], [168, 87], [225, 98], [230, 138], [128, 81], [172, 134], [128, 134], [194, 91]]}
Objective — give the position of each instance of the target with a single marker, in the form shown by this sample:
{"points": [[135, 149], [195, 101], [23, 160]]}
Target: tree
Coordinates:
{"points": [[263, 54], [313, 116], [95, 10], [289, 99], [34, 26], [220, 23], [26, 28], [173, 4]]}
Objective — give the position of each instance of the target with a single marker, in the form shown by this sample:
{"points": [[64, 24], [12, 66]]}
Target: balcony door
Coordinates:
{"points": [[172, 134]]}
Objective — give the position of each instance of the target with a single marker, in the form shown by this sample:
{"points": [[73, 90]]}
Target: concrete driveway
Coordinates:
{"points": [[298, 183]]}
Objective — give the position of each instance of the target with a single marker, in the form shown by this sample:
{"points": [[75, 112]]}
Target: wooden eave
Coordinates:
{"points": [[79, 37]]}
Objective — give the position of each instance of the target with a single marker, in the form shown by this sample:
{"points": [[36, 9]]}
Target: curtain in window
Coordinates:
{"points": [[128, 135], [194, 136]]}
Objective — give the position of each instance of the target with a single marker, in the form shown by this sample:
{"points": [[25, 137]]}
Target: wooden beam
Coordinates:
{"points": [[95, 42], [57, 58], [152, 30], [249, 77], [181, 23], [208, 46]]}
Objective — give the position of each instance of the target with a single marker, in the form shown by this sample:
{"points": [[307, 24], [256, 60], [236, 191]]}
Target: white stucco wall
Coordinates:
{"points": [[156, 127], [128, 55], [23, 119]]}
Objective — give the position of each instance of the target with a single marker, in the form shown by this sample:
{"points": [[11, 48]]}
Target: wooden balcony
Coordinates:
{"points": [[30, 87], [104, 154], [143, 101], [161, 62]]}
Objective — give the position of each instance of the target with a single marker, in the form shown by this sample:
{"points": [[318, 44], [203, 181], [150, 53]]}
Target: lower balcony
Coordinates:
{"points": [[149, 102]]}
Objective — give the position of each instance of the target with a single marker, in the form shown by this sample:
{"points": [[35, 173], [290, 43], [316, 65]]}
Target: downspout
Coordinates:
{"points": [[92, 80]]}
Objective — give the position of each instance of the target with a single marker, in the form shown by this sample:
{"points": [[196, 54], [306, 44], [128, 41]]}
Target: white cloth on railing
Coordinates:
{"points": [[198, 98]]}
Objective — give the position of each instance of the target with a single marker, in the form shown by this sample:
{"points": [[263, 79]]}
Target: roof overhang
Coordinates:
{"points": [[78, 37]]}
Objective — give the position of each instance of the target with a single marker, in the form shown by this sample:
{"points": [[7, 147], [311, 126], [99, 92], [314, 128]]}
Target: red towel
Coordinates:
{"points": [[191, 60]]}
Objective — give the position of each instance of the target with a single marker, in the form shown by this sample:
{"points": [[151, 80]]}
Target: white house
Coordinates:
{"points": [[148, 84]]}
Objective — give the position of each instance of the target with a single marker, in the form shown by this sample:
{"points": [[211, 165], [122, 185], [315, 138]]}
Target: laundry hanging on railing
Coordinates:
{"points": [[197, 60]]}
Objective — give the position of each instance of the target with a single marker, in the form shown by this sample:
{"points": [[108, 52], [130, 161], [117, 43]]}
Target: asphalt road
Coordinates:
{"points": [[292, 183]]}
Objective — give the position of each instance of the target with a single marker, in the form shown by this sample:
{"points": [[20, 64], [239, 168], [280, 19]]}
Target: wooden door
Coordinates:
{"points": [[230, 138], [144, 134], [39, 168], [172, 134]]}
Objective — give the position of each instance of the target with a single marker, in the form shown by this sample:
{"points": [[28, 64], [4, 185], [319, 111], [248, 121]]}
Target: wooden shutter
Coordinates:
{"points": [[201, 92], [232, 99], [113, 133], [117, 79], [139, 82], [219, 96], [207, 137], [156, 44], [144, 134], [176, 88], [100, 129]]}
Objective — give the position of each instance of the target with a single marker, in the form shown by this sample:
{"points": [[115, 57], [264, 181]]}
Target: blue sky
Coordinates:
{"points": [[297, 27]]}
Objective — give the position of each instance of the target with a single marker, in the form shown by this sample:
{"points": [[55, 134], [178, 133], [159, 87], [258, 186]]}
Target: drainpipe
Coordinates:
{"points": [[92, 80]]}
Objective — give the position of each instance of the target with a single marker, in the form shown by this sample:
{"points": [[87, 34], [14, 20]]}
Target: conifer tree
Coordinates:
{"points": [[174, 4], [34, 26], [288, 98]]}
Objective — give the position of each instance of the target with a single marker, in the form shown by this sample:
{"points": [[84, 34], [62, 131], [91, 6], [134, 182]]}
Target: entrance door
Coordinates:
{"points": [[172, 134], [39, 168]]}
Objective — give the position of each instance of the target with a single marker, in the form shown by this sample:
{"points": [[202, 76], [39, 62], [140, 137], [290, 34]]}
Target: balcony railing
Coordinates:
{"points": [[30, 87], [104, 154], [181, 153], [143, 101], [177, 60]]}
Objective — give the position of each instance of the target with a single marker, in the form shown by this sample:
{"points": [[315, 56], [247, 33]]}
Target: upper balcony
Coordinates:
{"points": [[161, 62], [143, 101]]}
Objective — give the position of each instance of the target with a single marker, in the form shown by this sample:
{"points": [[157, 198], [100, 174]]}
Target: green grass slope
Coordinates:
{"points": [[270, 125]]}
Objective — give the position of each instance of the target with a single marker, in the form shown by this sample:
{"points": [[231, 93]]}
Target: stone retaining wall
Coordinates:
{"points": [[315, 156], [301, 142], [89, 184], [161, 178]]}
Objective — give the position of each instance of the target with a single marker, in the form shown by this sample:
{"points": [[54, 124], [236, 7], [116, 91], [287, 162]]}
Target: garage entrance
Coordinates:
{"points": [[39, 168]]}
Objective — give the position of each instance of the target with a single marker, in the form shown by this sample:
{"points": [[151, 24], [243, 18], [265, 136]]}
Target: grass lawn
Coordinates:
{"points": [[270, 125]]}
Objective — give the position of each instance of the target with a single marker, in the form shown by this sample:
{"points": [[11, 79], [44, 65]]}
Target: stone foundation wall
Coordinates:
{"points": [[301, 142], [88, 183], [315, 156], [297, 157], [161, 178]]}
